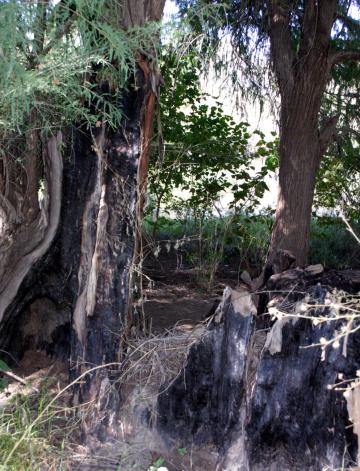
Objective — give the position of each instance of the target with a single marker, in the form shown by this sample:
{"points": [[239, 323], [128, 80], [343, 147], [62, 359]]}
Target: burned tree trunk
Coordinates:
{"points": [[262, 391], [66, 277], [102, 311]]}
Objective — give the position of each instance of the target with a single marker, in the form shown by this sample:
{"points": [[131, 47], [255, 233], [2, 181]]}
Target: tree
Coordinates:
{"points": [[308, 41], [338, 179], [79, 84]]}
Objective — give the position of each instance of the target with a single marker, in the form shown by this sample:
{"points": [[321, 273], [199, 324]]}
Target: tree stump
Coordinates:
{"points": [[262, 389]]}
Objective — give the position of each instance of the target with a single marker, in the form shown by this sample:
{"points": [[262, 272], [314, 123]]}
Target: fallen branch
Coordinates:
{"points": [[349, 228], [11, 375]]}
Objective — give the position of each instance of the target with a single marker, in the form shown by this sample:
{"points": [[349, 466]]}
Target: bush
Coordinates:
{"points": [[242, 241], [332, 245]]}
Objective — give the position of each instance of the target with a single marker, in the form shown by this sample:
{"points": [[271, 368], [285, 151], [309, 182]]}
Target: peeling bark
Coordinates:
{"points": [[78, 255], [94, 209], [26, 248], [109, 227]]}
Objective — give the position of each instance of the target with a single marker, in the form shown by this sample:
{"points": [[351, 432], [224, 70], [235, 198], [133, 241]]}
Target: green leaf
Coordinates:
{"points": [[3, 383], [182, 451], [4, 366], [159, 462]]}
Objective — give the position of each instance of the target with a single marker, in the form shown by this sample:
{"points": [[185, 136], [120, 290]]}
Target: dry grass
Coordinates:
{"points": [[35, 431], [39, 431], [159, 359]]}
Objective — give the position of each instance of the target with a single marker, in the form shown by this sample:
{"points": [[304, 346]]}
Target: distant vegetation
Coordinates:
{"points": [[209, 242]]}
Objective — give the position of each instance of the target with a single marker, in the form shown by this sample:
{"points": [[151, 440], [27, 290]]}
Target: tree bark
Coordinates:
{"points": [[102, 311], [262, 391], [302, 80], [75, 260], [300, 156]]}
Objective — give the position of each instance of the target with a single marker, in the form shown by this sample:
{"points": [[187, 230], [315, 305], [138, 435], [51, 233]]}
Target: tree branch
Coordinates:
{"points": [[308, 27], [62, 31], [336, 57], [349, 22], [348, 226], [8, 209], [346, 130], [325, 20], [41, 232], [40, 30], [11, 375], [281, 48]]}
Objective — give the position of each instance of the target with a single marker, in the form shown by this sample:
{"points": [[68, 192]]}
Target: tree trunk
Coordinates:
{"points": [[108, 227], [302, 145], [299, 162], [302, 78], [262, 391], [66, 279]]}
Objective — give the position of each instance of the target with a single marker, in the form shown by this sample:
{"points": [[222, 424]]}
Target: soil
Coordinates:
{"points": [[177, 301], [181, 296], [169, 305]]}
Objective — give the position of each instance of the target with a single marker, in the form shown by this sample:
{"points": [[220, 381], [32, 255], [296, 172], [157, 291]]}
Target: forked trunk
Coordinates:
{"points": [[302, 74]]}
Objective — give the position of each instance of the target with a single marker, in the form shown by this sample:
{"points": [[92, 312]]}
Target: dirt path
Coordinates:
{"points": [[171, 305], [180, 296]]}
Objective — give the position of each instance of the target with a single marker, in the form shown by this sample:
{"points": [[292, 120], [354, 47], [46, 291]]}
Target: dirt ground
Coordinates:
{"points": [[180, 297], [169, 305], [176, 304]]}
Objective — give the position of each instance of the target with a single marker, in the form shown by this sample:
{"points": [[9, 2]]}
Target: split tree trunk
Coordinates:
{"points": [[102, 314], [262, 391], [66, 279]]}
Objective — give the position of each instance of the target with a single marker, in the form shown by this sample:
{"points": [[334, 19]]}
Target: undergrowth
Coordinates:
{"points": [[39, 431], [38, 444], [242, 241]]}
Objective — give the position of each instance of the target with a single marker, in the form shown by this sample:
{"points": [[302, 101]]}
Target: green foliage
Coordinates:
{"points": [[207, 241], [242, 241], [246, 22], [250, 74], [338, 182], [157, 464], [28, 447], [201, 154], [204, 152], [3, 381], [332, 245], [339, 175], [57, 57], [182, 451]]}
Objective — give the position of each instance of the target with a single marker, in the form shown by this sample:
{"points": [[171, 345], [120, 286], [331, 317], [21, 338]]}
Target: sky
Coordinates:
{"points": [[170, 8]]}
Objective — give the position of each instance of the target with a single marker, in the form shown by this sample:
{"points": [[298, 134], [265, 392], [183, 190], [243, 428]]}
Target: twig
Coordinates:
{"points": [[11, 375], [349, 228]]}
